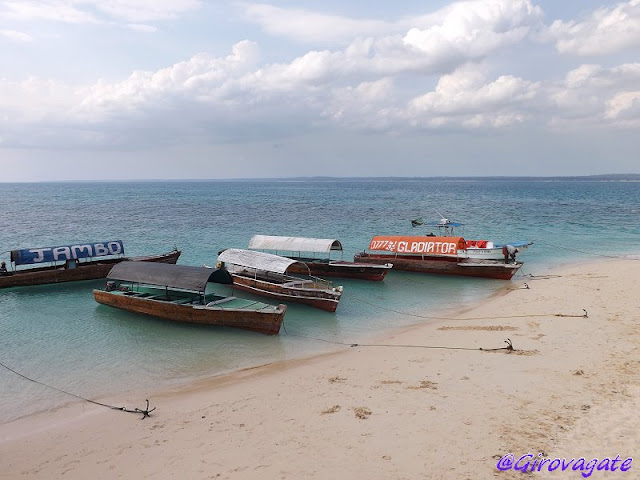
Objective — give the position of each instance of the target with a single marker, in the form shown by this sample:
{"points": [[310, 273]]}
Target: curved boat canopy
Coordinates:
{"points": [[423, 245], [168, 275], [294, 244], [259, 260]]}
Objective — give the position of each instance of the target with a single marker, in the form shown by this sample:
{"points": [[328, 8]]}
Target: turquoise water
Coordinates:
{"points": [[58, 334]]}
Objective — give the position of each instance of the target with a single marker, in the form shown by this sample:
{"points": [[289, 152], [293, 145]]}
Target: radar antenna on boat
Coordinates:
{"points": [[443, 220]]}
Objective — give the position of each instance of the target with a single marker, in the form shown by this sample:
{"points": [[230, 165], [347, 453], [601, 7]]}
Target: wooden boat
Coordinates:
{"points": [[179, 293], [479, 249], [323, 266], [267, 275], [439, 255], [38, 266]]}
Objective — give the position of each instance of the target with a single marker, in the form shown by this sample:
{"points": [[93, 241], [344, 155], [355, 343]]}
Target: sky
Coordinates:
{"points": [[196, 89]]}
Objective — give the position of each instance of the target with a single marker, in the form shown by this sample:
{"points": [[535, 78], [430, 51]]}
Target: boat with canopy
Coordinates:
{"points": [[269, 275], [315, 254], [69, 263], [438, 255], [179, 293], [481, 249]]}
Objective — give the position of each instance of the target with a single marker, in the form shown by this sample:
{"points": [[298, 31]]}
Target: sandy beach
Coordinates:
{"points": [[570, 388]]}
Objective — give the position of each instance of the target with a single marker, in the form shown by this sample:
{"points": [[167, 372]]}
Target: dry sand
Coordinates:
{"points": [[570, 389]]}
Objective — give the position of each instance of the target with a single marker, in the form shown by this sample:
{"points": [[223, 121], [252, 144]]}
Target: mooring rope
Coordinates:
{"points": [[564, 247], [145, 413], [433, 317], [509, 346]]}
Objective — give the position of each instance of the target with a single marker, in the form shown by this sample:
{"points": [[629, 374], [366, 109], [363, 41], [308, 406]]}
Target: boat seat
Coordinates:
{"points": [[222, 300], [182, 301]]}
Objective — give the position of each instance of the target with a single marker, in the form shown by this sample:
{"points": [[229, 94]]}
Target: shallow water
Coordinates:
{"points": [[60, 336]]}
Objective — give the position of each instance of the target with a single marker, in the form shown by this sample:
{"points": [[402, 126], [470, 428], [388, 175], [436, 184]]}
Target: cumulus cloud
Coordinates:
{"points": [[465, 98], [594, 95], [439, 73], [605, 31], [466, 31], [366, 106], [200, 78], [474, 28], [480, 25]]}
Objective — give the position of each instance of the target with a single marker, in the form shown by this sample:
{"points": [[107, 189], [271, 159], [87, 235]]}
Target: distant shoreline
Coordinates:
{"points": [[630, 177]]}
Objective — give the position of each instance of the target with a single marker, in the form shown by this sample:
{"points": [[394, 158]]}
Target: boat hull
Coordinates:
{"points": [[267, 320], [324, 299], [491, 253], [445, 265], [342, 269], [83, 271]]}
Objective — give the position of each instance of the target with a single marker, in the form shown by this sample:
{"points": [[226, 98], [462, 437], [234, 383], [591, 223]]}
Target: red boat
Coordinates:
{"points": [[437, 255]]}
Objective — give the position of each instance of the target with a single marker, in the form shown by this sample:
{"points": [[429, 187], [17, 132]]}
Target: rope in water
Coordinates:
{"points": [[145, 412], [586, 252]]}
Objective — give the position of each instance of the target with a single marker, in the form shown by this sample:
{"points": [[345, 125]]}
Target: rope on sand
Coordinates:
{"points": [[509, 346], [433, 317], [145, 412]]}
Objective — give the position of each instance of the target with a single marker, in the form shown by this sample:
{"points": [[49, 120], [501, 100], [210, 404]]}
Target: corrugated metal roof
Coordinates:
{"points": [[168, 275], [294, 244], [258, 260]]}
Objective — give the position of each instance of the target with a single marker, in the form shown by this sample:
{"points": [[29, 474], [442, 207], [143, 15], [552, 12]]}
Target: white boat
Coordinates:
{"points": [[477, 249]]}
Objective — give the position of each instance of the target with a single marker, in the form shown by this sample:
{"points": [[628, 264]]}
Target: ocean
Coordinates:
{"points": [[58, 334]]}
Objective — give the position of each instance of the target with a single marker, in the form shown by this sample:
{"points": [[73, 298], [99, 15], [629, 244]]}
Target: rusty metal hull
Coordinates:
{"points": [[445, 265], [325, 299], [267, 320], [83, 271]]}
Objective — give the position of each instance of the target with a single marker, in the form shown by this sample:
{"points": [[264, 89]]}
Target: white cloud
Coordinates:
{"points": [[593, 95], [464, 98], [16, 36], [624, 107], [474, 28], [146, 10], [384, 83], [142, 28], [84, 11], [52, 10], [480, 25], [201, 78], [313, 27], [605, 31], [367, 106]]}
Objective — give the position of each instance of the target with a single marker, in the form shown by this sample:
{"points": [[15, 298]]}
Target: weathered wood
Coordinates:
{"points": [[267, 320], [341, 269], [302, 291], [82, 271]]}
